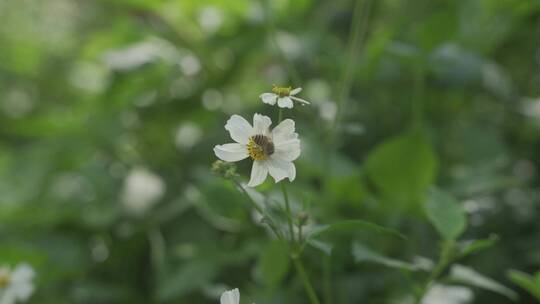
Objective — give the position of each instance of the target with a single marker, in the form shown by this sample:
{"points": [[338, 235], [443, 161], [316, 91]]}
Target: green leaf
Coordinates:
{"points": [[190, 277], [363, 254], [469, 247], [325, 247], [403, 167], [446, 214], [352, 226], [526, 281], [273, 263], [465, 275]]}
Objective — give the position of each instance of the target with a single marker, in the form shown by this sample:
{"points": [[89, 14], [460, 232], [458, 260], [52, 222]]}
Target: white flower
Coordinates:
{"points": [[16, 286], [272, 151], [142, 190], [230, 297], [444, 294], [284, 96]]}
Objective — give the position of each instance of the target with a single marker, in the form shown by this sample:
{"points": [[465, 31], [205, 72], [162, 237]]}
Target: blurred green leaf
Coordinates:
{"points": [[363, 254], [473, 246], [469, 276], [526, 281], [445, 214], [273, 263], [352, 226], [403, 167], [191, 276]]}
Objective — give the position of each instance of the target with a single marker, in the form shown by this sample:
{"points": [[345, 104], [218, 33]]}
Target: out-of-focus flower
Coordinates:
{"points": [[16, 286], [441, 294], [142, 189], [272, 151], [230, 297], [283, 96]]}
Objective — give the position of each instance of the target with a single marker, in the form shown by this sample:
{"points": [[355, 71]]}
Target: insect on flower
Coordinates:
{"points": [[272, 151], [283, 96]]}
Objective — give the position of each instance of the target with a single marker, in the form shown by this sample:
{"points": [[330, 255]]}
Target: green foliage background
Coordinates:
{"points": [[443, 93]]}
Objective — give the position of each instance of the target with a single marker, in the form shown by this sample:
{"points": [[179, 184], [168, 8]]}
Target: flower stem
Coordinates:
{"points": [[280, 115], [359, 26], [271, 29], [270, 222], [288, 209], [305, 280], [444, 260]]}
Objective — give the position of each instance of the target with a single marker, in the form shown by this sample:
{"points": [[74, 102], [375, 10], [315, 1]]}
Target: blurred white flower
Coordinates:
{"points": [[142, 189], [284, 96], [272, 151], [16, 286], [441, 294], [230, 297], [188, 135], [210, 19]]}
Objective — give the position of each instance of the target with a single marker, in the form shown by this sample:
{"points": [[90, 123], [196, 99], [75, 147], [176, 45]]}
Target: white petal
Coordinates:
{"points": [[280, 169], [303, 101], [292, 172], [230, 297], [261, 124], [23, 291], [239, 129], [285, 102], [22, 273], [288, 150], [259, 171], [231, 152], [284, 131], [269, 98], [296, 91]]}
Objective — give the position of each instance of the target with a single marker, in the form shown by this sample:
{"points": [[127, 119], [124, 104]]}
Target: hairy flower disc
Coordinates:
{"points": [[260, 147], [4, 279]]}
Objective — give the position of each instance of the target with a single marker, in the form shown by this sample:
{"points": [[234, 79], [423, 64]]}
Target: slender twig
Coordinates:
{"points": [[357, 34], [269, 221], [305, 280], [445, 259], [288, 210], [272, 33]]}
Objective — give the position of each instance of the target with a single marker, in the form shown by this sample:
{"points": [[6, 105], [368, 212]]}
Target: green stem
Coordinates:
{"points": [[288, 210], [444, 260], [270, 223], [327, 278], [357, 34], [280, 115], [305, 280], [417, 102]]}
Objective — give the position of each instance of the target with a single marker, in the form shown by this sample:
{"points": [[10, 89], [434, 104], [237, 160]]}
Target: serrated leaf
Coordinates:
{"points": [[526, 281], [403, 167], [273, 263], [362, 254], [466, 275], [445, 213]]}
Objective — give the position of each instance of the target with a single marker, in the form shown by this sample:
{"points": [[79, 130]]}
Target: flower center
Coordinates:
{"points": [[260, 147], [281, 91], [4, 279]]}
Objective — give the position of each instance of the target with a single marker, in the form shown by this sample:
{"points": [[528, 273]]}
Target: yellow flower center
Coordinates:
{"points": [[4, 279], [260, 147], [281, 91]]}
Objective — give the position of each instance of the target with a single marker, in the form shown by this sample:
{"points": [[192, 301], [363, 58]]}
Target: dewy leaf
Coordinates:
{"points": [[273, 263], [403, 167], [446, 214], [354, 225], [362, 254], [526, 282], [466, 275]]}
